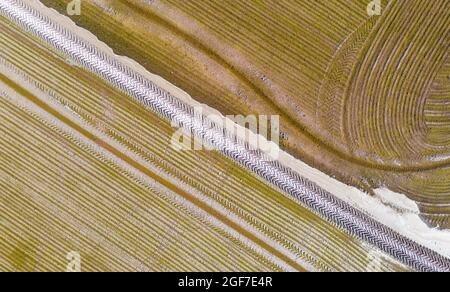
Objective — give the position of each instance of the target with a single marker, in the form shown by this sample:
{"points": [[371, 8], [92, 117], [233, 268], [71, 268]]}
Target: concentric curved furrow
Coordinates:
{"points": [[396, 112], [86, 168], [386, 120], [331, 98]]}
